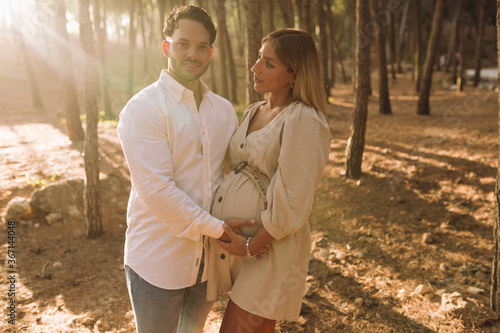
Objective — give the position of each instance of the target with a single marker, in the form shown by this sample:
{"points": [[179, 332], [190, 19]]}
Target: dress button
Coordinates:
{"points": [[223, 256], [242, 145], [220, 199]]}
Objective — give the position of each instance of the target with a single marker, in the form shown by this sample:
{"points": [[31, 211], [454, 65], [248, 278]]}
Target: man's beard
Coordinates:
{"points": [[183, 74]]}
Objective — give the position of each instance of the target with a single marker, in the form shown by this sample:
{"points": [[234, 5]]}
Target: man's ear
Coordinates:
{"points": [[211, 51], [164, 47]]}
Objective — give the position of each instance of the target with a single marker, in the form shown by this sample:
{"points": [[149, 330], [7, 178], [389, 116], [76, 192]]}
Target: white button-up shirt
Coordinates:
{"points": [[175, 154]]}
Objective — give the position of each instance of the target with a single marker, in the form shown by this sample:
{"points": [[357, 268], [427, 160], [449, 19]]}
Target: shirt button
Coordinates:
{"points": [[242, 145], [223, 256], [220, 199]]}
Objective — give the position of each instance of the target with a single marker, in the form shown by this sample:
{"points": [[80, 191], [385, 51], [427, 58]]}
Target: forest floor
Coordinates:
{"points": [[422, 214]]}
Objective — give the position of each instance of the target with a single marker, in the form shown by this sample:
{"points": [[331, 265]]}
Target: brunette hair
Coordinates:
{"points": [[190, 12], [296, 49]]}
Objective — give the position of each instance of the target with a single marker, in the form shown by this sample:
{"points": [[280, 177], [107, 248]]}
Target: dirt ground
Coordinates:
{"points": [[422, 214]]}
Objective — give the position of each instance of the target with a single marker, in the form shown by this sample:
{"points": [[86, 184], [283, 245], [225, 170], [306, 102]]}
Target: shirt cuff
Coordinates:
{"points": [[214, 228]]}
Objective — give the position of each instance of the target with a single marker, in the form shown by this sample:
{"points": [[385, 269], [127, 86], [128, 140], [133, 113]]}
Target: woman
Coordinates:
{"points": [[276, 159]]}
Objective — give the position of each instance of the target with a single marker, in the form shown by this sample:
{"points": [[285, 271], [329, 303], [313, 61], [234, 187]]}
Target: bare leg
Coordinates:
{"points": [[237, 320]]}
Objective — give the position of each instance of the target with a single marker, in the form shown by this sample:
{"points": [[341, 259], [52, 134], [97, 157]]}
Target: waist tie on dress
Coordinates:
{"points": [[260, 179]]}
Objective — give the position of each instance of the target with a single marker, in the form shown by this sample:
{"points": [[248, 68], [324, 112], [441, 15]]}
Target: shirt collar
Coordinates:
{"points": [[177, 89]]}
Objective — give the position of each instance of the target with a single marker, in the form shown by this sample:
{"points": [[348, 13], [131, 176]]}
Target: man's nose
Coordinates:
{"points": [[192, 51]]}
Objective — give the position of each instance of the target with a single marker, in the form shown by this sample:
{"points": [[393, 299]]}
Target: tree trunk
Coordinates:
{"points": [[222, 31], [452, 47], [335, 47], [270, 16], [390, 44], [495, 266], [253, 36], [425, 87], [241, 44], [285, 6], [460, 74], [384, 102], [457, 57], [24, 50], [304, 13], [420, 47], [331, 41], [323, 44], [101, 50], [401, 33], [479, 41], [142, 28], [92, 208], [69, 94], [131, 46], [356, 142], [232, 71]]}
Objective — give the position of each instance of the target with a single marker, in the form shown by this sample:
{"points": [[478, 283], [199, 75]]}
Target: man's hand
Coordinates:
{"points": [[237, 243], [235, 225]]}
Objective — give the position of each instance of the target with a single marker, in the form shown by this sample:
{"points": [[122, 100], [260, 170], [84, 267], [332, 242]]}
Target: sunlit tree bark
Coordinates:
{"points": [[92, 207], [221, 41], [384, 102], [323, 42], [71, 107], [253, 36], [479, 41], [101, 51], [419, 44], [425, 86], [495, 266], [356, 141]]}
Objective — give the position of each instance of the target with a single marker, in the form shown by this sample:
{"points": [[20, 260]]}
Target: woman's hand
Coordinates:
{"points": [[237, 244]]}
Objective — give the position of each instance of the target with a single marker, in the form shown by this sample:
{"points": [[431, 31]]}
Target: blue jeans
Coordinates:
{"points": [[158, 310]]}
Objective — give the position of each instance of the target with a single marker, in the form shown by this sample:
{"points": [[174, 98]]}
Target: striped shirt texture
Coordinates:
{"points": [[175, 154]]}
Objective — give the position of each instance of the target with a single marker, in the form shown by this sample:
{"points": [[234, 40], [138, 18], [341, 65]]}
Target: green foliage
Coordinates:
{"points": [[36, 183], [106, 119]]}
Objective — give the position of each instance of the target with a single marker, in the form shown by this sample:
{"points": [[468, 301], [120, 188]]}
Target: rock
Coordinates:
{"points": [[335, 270], [452, 302], [475, 290], [359, 301], [422, 289], [89, 321], [464, 270], [482, 276], [324, 253], [309, 291], [443, 267], [57, 198], [471, 314], [341, 256], [359, 255], [53, 217], [428, 238], [18, 209], [322, 242]]}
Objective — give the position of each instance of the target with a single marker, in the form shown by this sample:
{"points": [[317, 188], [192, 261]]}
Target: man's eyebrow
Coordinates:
{"points": [[187, 40]]}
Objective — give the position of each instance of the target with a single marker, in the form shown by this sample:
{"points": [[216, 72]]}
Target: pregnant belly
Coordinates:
{"points": [[239, 198]]}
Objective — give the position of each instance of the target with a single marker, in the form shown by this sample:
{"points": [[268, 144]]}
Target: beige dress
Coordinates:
{"points": [[291, 152]]}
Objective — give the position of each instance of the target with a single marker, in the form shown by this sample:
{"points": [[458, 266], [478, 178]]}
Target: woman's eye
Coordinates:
{"points": [[268, 64]]}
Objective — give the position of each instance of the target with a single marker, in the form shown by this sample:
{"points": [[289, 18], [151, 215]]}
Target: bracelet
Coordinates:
{"points": [[249, 257]]}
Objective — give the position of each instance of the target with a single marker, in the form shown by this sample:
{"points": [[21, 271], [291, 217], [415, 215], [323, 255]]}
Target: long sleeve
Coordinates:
{"points": [[305, 147], [144, 135]]}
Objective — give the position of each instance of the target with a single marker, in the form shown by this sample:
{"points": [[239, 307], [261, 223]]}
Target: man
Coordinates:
{"points": [[174, 135]]}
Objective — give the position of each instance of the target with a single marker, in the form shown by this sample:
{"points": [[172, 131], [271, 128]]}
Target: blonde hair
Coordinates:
{"points": [[296, 49]]}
